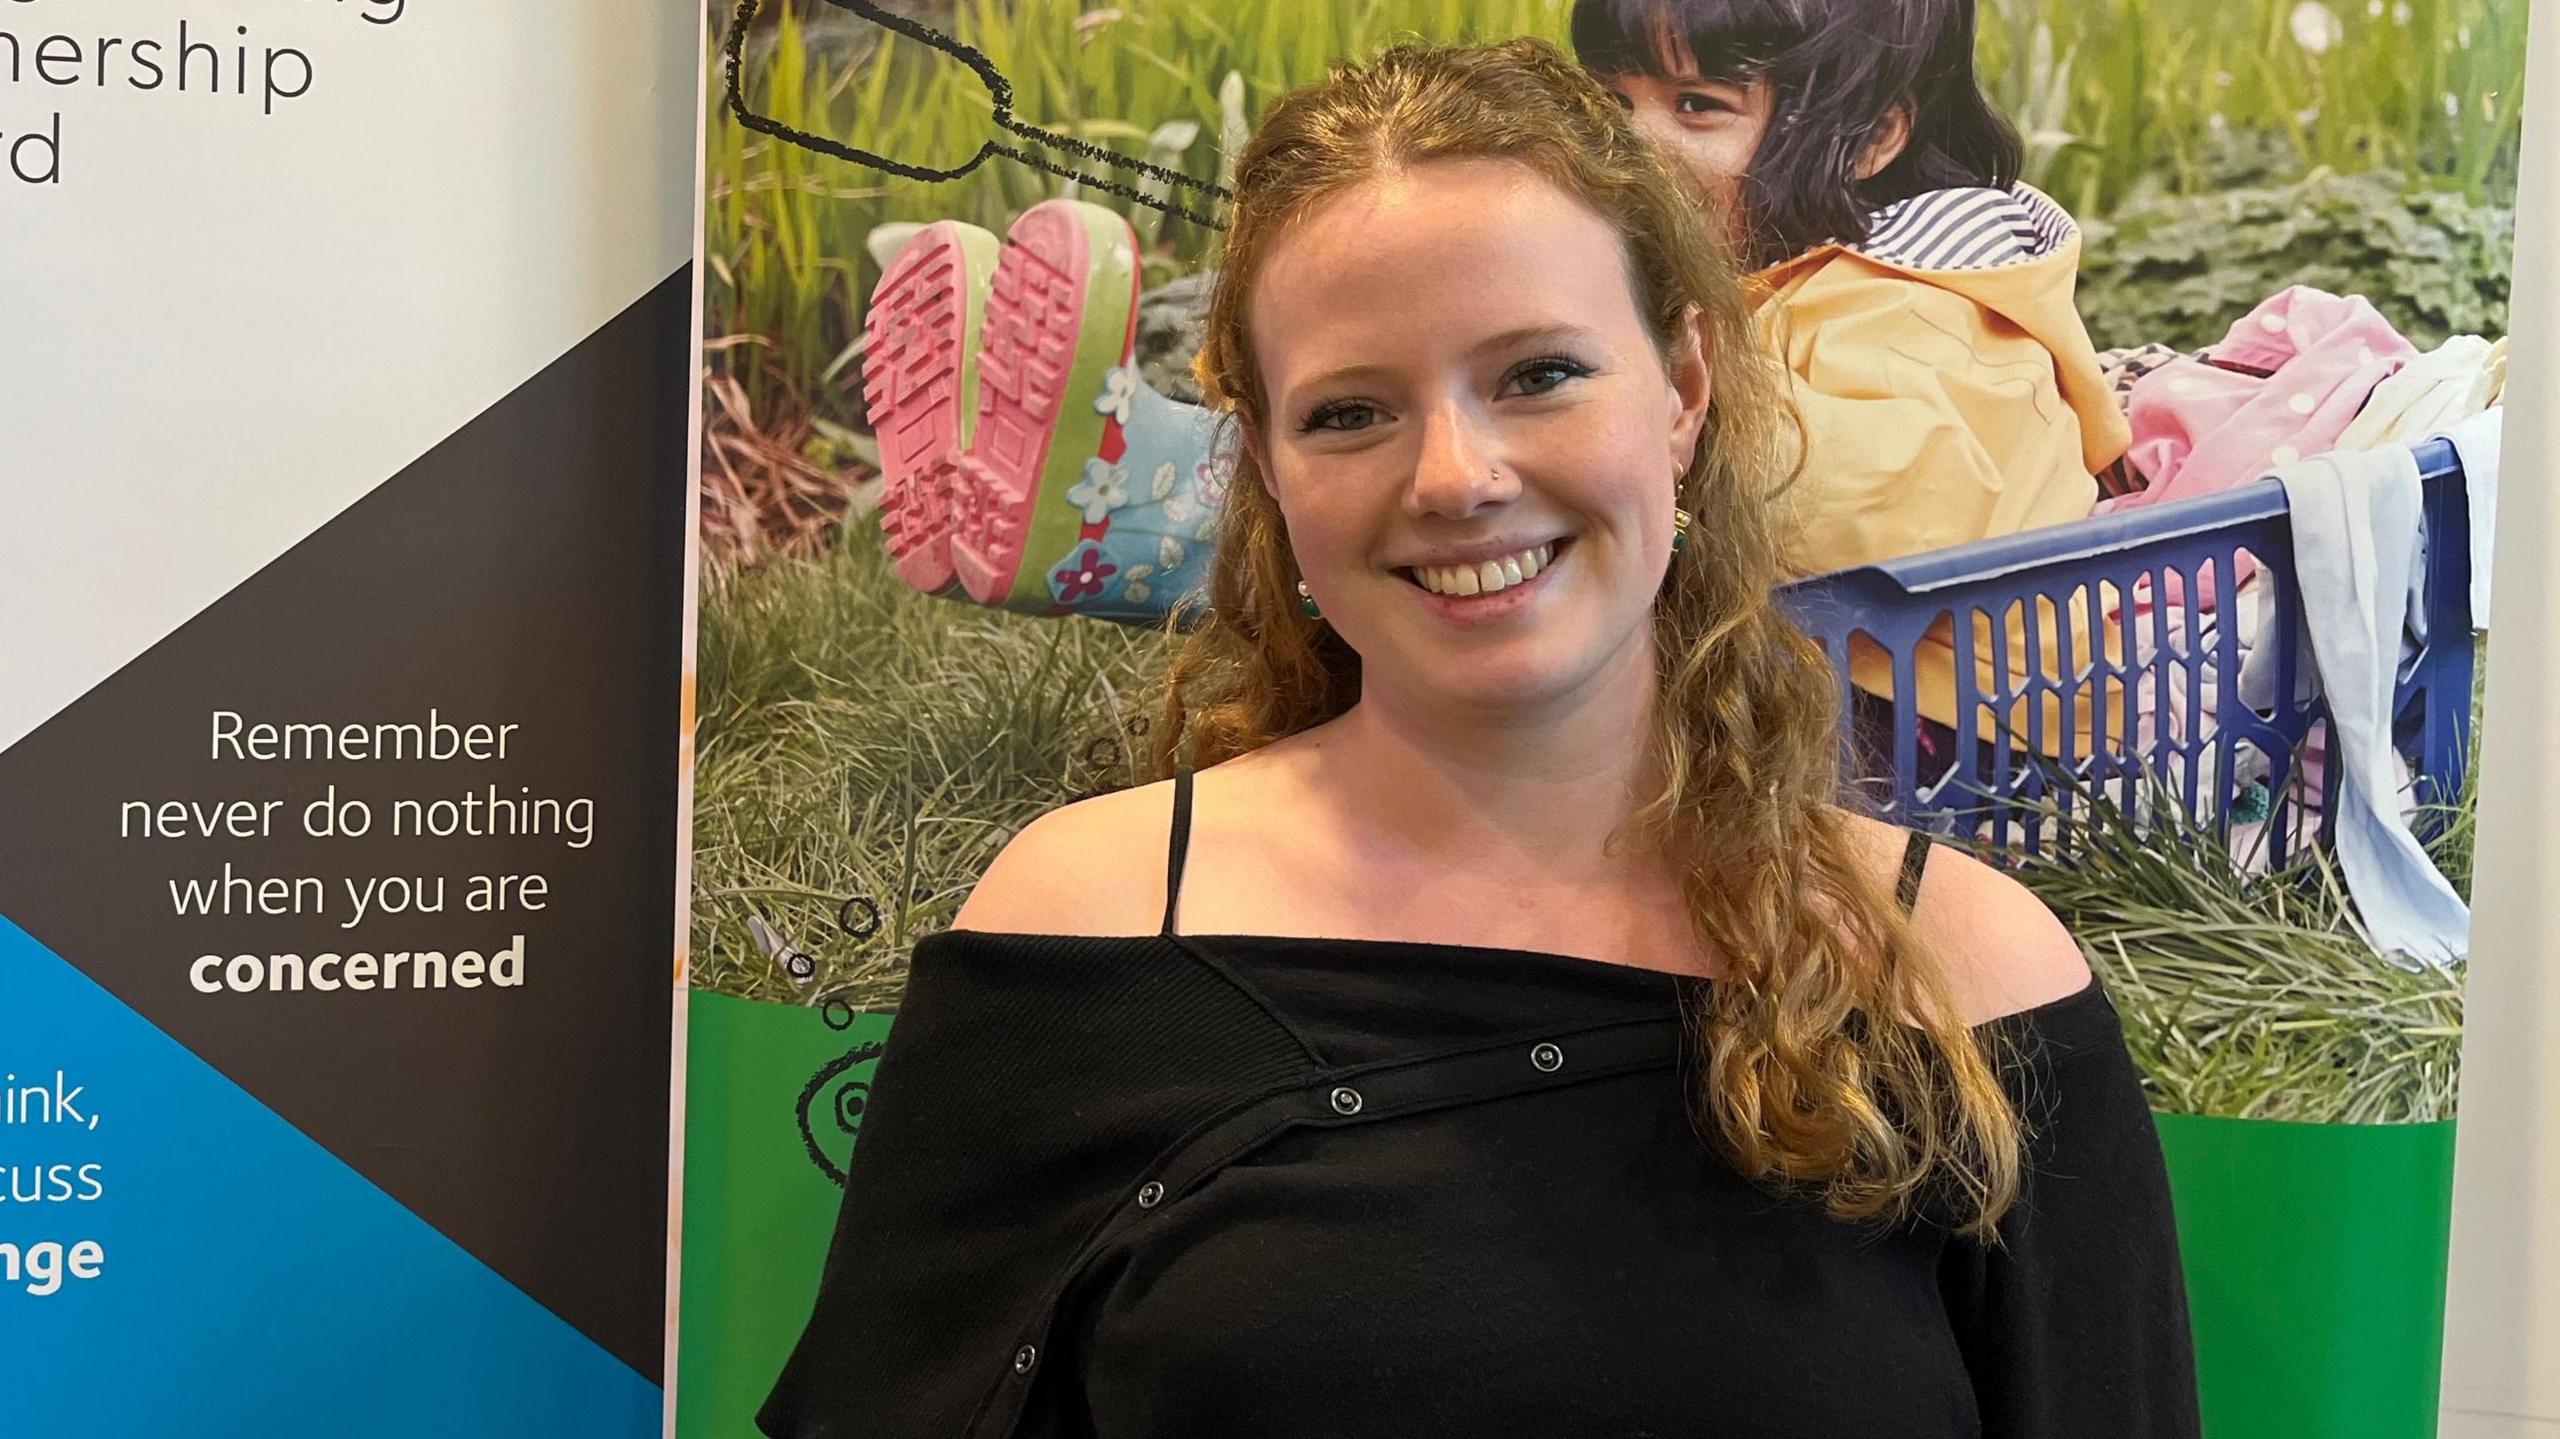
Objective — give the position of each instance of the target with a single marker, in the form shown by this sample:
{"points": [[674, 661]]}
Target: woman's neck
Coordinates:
{"points": [[1550, 785]]}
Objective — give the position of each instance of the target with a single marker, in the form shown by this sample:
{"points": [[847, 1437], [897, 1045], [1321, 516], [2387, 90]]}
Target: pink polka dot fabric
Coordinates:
{"points": [[2284, 383]]}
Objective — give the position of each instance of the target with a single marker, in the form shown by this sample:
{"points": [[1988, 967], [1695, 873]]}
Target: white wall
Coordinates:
{"points": [[224, 326], [2502, 1329]]}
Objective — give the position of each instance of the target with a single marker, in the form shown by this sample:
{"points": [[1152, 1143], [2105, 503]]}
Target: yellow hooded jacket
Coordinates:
{"points": [[1949, 393]]}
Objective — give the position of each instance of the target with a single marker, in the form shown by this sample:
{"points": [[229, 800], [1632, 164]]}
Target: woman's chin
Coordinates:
{"points": [[1527, 676]]}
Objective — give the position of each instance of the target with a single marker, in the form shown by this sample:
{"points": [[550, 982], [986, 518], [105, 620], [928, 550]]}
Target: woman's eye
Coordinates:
{"points": [[1343, 415], [1540, 376], [1694, 102], [1625, 101]]}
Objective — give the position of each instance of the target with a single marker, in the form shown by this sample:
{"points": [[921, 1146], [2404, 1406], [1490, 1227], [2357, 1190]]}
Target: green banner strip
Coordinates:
{"points": [[2315, 1257], [758, 1210], [2315, 1253]]}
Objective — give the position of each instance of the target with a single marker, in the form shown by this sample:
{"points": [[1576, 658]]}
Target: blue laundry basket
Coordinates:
{"points": [[2001, 792]]}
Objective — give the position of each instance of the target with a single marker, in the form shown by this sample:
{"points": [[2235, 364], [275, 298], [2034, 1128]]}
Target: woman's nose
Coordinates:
{"points": [[1458, 471]]}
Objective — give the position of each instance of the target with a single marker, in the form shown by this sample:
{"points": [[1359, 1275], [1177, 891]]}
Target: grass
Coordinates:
{"points": [[2114, 95], [2258, 996], [2255, 996], [861, 741], [2118, 94]]}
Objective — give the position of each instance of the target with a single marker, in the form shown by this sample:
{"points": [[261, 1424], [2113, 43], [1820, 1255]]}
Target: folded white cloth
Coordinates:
{"points": [[2356, 520], [2448, 384], [2475, 439]]}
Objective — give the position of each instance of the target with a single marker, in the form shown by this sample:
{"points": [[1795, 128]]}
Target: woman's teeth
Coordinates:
{"points": [[1485, 578]]}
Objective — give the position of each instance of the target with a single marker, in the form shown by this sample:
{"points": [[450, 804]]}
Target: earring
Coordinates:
{"points": [[1307, 601], [1679, 529]]}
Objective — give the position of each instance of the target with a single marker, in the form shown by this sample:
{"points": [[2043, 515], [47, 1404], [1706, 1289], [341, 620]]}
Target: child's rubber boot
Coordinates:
{"points": [[920, 386], [1080, 489]]}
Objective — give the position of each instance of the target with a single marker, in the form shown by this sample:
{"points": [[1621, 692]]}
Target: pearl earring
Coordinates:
{"points": [[1307, 601]]}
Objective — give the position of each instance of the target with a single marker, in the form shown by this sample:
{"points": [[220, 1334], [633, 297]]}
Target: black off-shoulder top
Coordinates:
{"points": [[1245, 1187]]}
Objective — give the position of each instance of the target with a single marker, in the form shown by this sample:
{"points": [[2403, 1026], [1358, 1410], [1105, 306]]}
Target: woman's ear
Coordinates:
{"points": [[1689, 372], [1886, 143]]}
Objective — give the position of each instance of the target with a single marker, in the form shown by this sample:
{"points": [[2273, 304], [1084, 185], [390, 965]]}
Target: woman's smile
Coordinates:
{"points": [[1488, 591]]}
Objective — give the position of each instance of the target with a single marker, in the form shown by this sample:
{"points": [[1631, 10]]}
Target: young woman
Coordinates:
{"points": [[1520, 1041]]}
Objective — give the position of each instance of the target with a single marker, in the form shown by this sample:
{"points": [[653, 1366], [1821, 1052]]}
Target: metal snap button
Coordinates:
{"points": [[1346, 1100], [1024, 1358], [1150, 1194], [1547, 1057]]}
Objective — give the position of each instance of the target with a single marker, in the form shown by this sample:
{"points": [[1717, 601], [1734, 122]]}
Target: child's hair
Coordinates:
{"points": [[1836, 69]]}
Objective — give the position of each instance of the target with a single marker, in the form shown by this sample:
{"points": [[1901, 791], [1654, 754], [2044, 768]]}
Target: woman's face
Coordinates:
{"points": [[1471, 434], [1710, 128]]}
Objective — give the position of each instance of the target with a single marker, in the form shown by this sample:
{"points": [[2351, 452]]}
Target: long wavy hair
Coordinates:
{"points": [[1800, 1091]]}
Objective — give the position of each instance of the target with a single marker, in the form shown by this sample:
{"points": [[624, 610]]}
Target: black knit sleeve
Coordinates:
{"points": [[937, 1249], [2076, 1326], [1027, 1084]]}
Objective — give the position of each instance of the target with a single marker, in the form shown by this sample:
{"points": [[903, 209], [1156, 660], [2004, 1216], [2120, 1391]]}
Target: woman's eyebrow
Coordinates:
{"points": [[1519, 337], [1526, 335], [1333, 378]]}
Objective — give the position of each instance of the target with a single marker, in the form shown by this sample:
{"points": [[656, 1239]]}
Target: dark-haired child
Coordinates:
{"points": [[1919, 293]]}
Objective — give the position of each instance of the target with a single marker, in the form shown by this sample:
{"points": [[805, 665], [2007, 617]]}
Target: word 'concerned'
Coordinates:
{"points": [[428, 969]]}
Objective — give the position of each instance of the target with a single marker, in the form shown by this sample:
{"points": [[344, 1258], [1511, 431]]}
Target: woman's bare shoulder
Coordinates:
{"points": [[1096, 866], [2002, 950]]}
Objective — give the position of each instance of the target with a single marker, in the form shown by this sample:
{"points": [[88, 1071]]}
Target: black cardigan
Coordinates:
{"points": [[1228, 1187]]}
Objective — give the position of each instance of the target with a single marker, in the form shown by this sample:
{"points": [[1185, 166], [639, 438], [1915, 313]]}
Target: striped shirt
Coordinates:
{"points": [[1972, 228]]}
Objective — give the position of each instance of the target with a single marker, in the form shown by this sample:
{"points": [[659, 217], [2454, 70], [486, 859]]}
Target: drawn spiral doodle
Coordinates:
{"points": [[838, 1093]]}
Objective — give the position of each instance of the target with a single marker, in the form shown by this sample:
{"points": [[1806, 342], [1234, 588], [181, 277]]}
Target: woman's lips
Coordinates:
{"points": [[1480, 609]]}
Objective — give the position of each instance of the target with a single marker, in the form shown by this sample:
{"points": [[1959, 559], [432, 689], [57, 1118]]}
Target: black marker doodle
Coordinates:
{"points": [[869, 924], [1103, 752], [999, 90], [844, 1096], [798, 964], [835, 1090], [1102, 762]]}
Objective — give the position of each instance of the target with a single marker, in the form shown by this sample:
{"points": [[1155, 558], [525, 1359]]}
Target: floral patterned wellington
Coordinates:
{"points": [[1074, 488]]}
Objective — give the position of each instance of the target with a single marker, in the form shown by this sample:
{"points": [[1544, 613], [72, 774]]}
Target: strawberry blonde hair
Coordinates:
{"points": [[1799, 1090]]}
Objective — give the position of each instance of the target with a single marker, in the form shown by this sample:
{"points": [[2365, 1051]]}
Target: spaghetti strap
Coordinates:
{"points": [[1179, 847], [1915, 858]]}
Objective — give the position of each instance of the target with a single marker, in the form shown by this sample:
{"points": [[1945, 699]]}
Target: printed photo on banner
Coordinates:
{"points": [[2144, 364]]}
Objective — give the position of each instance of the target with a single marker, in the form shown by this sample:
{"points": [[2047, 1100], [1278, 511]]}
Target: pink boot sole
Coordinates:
{"points": [[985, 368], [918, 376]]}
